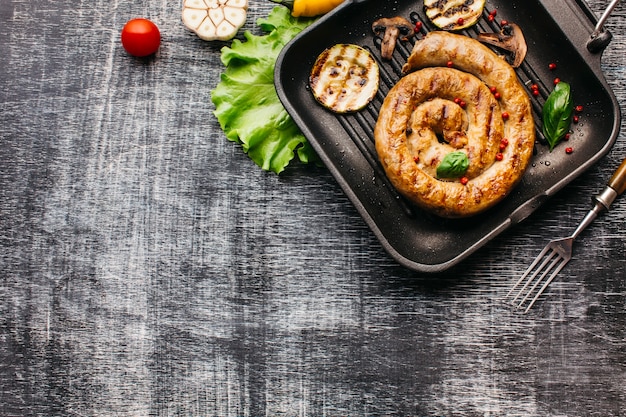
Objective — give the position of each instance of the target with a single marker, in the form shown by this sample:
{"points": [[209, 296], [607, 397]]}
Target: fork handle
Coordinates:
{"points": [[615, 187], [618, 180]]}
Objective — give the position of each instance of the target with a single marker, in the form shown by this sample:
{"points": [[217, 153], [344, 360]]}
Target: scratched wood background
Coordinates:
{"points": [[149, 268]]}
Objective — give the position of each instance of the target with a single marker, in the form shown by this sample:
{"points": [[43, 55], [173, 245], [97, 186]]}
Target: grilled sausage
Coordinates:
{"points": [[420, 122]]}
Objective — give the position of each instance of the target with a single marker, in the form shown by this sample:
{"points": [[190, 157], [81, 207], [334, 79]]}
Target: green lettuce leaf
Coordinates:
{"points": [[246, 103]]}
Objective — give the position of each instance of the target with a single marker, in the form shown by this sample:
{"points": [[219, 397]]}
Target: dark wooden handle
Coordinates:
{"points": [[618, 180]]}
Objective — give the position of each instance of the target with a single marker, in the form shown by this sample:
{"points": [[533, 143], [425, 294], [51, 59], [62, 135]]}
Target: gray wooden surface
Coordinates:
{"points": [[149, 268]]}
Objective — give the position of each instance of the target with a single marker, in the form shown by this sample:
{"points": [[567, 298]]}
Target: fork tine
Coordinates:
{"points": [[554, 260], [543, 256], [545, 285], [523, 277]]}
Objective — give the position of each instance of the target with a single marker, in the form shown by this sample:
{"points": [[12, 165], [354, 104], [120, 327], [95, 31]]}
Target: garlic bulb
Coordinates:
{"points": [[215, 19]]}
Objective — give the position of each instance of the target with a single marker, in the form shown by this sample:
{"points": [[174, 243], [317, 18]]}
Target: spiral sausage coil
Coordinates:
{"points": [[434, 110]]}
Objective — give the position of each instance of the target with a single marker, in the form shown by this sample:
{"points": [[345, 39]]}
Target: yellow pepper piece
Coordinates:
{"points": [[309, 8]]}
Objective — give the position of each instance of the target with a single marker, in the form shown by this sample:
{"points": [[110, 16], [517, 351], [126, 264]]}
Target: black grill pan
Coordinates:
{"points": [[556, 31]]}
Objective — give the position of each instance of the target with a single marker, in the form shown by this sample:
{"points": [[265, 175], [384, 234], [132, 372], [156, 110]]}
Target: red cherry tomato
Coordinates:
{"points": [[141, 37]]}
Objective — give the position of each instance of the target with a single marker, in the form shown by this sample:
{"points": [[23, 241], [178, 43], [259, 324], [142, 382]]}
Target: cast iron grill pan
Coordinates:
{"points": [[413, 237]]}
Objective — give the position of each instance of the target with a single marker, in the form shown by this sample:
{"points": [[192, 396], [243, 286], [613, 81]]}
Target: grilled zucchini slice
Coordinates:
{"points": [[344, 78], [454, 14]]}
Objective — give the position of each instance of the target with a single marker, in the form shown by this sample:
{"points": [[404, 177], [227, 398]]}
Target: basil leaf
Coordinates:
{"points": [[453, 165], [557, 114]]}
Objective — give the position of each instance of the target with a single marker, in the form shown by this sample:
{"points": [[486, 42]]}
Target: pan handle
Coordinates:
{"points": [[601, 37]]}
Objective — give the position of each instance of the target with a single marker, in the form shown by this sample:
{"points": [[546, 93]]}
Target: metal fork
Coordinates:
{"points": [[558, 252]]}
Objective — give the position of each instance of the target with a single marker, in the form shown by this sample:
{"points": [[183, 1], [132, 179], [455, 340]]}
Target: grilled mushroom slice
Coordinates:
{"points": [[511, 39], [344, 78], [393, 27], [454, 14]]}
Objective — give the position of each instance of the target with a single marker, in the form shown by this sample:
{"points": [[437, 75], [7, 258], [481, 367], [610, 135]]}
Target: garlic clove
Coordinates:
{"points": [[193, 18]]}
